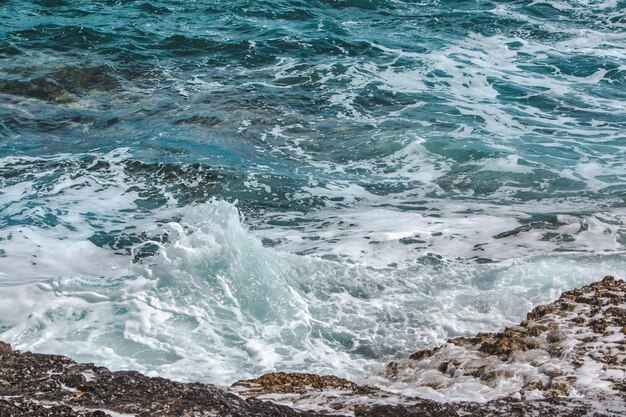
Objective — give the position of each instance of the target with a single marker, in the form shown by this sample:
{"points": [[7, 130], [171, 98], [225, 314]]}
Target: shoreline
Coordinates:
{"points": [[567, 358]]}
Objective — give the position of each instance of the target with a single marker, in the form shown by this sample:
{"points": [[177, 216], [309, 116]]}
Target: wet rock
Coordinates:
{"points": [[553, 407], [421, 354], [328, 395], [422, 410], [551, 352], [63, 84], [40, 385], [9, 408], [545, 361], [298, 383]]}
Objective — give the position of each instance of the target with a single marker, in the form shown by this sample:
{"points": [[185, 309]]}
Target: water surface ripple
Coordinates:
{"points": [[210, 190]]}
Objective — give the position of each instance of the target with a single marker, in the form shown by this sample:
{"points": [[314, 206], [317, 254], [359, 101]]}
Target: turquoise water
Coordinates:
{"points": [[211, 190]]}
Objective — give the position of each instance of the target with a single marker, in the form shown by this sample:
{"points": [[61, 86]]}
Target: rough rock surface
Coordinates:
{"points": [[575, 346], [329, 394], [567, 359], [50, 385], [332, 396]]}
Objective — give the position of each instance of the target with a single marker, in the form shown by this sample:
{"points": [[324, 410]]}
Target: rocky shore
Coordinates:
{"points": [[568, 358]]}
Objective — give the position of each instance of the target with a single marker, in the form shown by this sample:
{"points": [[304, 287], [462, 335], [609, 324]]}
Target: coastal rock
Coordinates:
{"points": [[328, 395], [574, 346], [40, 385], [566, 359], [298, 383]]}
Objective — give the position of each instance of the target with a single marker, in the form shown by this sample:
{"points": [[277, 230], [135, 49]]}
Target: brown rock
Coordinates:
{"points": [[283, 382], [47, 385], [5, 348], [421, 354], [537, 330], [533, 385], [554, 337]]}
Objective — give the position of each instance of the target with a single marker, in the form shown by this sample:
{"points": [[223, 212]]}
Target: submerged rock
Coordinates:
{"points": [[566, 359], [61, 85]]}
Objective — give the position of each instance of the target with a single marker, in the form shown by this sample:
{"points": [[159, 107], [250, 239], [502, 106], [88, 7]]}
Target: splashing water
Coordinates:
{"points": [[210, 191]]}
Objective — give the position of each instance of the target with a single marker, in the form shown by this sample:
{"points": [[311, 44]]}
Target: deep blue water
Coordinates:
{"points": [[210, 190]]}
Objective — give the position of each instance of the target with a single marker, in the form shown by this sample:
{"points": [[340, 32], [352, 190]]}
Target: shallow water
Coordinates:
{"points": [[212, 190]]}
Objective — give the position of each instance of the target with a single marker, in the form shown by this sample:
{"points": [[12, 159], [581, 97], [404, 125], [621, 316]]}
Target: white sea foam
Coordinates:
{"points": [[405, 241], [213, 304]]}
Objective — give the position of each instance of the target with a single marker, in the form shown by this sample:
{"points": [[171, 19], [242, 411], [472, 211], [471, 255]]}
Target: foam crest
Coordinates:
{"points": [[211, 252], [408, 172], [214, 304]]}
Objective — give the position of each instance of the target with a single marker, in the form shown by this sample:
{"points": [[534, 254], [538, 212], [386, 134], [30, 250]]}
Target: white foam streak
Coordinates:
{"points": [[215, 305]]}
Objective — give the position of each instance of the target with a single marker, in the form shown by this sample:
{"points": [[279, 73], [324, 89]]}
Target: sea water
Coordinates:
{"points": [[211, 190]]}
